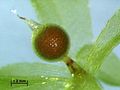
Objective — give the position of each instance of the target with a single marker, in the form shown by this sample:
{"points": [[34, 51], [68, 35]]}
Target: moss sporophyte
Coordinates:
{"points": [[51, 43], [65, 35]]}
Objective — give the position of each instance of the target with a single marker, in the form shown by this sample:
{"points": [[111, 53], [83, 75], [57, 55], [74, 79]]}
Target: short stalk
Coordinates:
{"points": [[74, 68]]}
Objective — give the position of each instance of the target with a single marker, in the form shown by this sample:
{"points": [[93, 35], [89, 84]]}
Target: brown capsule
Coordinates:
{"points": [[49, 41], [52, 42]]}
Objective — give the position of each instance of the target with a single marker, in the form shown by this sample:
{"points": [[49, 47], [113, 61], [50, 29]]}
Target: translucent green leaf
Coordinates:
{"points": [[38, 79], [109, 71], [34, 83], [107, 40], [72, 15], [40, 76], [83, 54], [34, 69]]}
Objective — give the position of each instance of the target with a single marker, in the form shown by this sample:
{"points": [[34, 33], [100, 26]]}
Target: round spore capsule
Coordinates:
{"points": [[51, 42]]}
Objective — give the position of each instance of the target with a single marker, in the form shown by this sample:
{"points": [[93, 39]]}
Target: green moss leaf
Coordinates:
{"points": [[109, 71], [72, 15], [44, 77], [34, 69], [34, 83], [107, 40], [40, 76]]}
